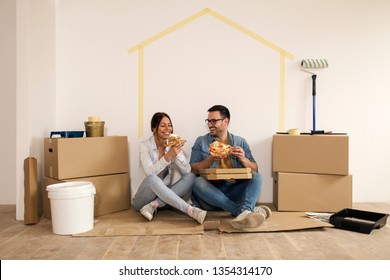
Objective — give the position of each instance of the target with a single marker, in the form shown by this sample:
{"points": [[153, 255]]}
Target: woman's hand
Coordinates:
{"points": [[174, 151]]}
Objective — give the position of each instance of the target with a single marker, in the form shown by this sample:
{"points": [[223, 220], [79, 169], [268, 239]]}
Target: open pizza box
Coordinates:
{"points": [[226, 173]]}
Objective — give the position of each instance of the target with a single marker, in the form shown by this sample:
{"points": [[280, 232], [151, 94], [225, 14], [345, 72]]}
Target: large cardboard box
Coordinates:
{"points": [[112, 193], [312, 192], [318, 154], [84, 157]]}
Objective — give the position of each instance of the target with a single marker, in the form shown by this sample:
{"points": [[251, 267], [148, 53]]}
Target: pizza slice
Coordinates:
{"points": [[219, 149], [174, 140]]}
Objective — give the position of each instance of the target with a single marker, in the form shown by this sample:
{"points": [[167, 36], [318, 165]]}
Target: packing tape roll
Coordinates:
{"points": [[93, 119], [294, 131]]}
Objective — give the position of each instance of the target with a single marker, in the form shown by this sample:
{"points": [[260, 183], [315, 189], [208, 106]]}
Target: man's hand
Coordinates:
{"points": [[238, 152]]}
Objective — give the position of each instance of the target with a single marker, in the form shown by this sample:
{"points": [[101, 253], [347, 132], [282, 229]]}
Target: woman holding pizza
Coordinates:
{"points": [[159, 154], [221, 149]]}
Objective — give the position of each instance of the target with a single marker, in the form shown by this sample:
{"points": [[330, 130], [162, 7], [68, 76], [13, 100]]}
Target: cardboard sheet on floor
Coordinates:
{"points": [[281, 221], [169, 222], [131, 222]]}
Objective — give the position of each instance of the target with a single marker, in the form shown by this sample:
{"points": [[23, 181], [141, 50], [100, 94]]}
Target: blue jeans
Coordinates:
{"points": [[234, 197], [153, 188]]}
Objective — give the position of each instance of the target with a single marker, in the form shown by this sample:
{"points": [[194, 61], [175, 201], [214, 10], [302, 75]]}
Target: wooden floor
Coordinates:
{"points": [[27, 242]]}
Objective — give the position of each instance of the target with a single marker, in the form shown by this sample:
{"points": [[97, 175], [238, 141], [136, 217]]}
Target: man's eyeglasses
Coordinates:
{"points": [[213, 121]]}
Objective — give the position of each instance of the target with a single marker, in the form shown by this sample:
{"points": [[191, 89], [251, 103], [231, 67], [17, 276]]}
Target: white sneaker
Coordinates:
{"points": [[263, 209], [198, 214], [147, 211], [248, 219], [189, 201]]}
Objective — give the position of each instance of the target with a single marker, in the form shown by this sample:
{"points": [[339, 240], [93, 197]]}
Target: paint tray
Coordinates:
{"points": [[358, 220], [66, 134]]}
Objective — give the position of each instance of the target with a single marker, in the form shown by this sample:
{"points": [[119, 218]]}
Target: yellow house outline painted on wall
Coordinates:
{"points": [[140, 48]]}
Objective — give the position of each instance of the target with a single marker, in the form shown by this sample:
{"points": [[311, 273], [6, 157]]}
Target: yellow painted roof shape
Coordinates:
{"points": [[140, 48], [217, 16]]}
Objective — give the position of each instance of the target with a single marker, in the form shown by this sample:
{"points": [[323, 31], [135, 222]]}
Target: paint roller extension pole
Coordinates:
{"points": [[314, 63]]}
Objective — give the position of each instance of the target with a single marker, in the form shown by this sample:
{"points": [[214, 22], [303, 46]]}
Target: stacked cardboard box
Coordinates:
{"points": [[311, 173], [100, 160]]}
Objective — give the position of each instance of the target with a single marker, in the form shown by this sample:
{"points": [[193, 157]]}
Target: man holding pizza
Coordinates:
{"points": [[221, 149]]}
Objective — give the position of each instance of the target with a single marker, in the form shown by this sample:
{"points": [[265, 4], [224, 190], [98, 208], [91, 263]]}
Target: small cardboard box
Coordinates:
{"points": [[226, 173], [67, 158], [112, 193], [318, 154], [312, 192]]}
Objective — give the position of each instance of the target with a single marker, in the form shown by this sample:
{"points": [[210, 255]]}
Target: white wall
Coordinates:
{"points": [[208, 62], [8, 101], [35, 87]]}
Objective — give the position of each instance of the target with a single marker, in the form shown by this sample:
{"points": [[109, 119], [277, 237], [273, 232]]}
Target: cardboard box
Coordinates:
{"points": [[67, 158], [225, 173], [312, 192], [112, 193], [318, 154]]}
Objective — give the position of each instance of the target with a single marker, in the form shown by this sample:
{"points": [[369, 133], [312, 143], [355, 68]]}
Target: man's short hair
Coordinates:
{"points": [[222, 110]]}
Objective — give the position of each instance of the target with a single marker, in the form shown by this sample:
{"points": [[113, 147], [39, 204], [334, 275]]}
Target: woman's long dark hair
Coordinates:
{"points": [[156, 120]]}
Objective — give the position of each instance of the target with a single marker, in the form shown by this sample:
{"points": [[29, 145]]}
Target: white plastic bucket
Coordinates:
{"points": [[72, 207]]}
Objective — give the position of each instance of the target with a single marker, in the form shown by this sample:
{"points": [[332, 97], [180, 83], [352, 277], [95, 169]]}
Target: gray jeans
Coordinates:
{"points": [[153, 188]]}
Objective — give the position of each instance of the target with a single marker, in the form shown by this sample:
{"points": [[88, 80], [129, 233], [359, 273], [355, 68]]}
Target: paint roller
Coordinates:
{"points": [[314, 64]]}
